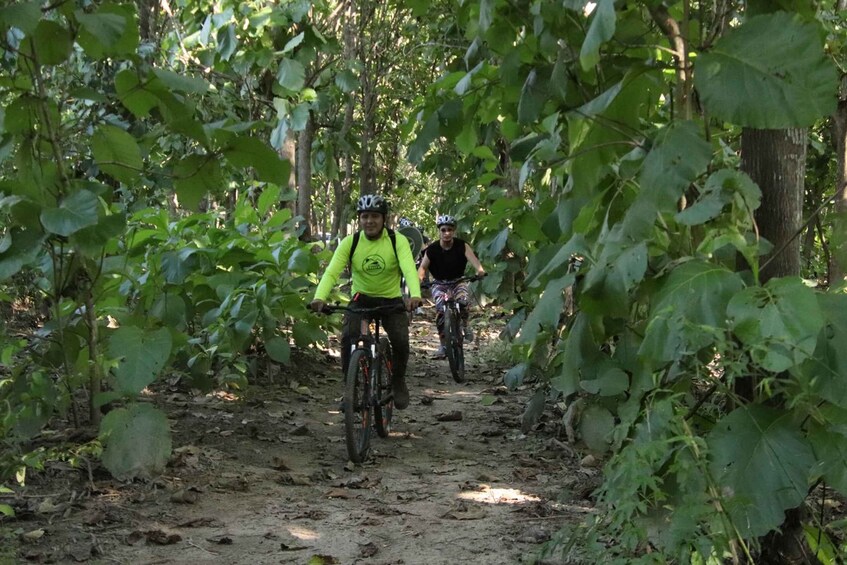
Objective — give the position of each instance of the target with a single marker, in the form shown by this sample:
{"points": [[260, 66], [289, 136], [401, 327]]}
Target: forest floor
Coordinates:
{"points": [[264, 478]]}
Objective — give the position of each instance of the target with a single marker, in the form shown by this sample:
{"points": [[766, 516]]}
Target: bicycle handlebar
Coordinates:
{"points": [[472, 278], [384, 309]]}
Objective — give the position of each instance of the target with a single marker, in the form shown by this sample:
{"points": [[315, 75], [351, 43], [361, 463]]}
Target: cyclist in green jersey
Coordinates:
{"points": [[377, 264]]}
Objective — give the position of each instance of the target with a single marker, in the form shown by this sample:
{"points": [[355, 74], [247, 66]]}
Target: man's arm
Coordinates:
{"points": [[336, 266], [471, 256], [424, 267], [407, 267]]}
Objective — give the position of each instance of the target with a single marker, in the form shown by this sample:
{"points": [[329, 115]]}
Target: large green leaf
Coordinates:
{"points": [[611, 381], [533, 96], [580, 359], [771, 72], [247, 151], [142, 355], [291, 75], [779, 323], [425, 136], [195, 176], [599, 131], [181, 82], [306, 334], [24, 16], [679, 156], [617, 272], [170, 308], [110, 31], [830, 446], [20, 251], [762, 463], [75, 212], [601, 30], [117, 153], [137, 442], [721, 188], [826, 371], [545, 315], [278, 349], [595, 427], [50, 44], [133, 94], [694, 295], [91, 240], [347, 80]]}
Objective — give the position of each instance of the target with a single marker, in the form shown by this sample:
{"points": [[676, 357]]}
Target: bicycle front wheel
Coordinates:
{"points": [[384, 406], [357, 406], [453, 345]]}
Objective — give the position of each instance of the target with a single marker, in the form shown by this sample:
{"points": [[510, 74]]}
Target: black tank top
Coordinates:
{"points": [[447, 264]]}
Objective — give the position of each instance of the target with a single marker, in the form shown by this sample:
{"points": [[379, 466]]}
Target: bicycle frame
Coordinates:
{"points": [[367, 382], [454, 337]]}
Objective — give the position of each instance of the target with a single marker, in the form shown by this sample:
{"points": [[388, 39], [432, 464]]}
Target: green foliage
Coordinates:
{"points": [[761, 462], [573, 119], [141, 357], [771, 72], [95, 126], [137, 442]]}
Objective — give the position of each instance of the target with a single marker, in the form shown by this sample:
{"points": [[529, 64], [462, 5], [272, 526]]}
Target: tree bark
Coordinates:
{"points": [[776, 161], [289, 153], [304, 177]]}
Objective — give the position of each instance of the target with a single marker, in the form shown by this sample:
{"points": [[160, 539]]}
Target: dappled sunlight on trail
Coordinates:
{"points": [[492, 495]]}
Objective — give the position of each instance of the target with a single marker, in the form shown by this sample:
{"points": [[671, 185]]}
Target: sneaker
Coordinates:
{"points": [[468, 334], [440, 353], [401, 393]]}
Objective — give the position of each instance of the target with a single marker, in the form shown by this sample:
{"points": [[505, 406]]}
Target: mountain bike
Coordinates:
{"points": [[367, 385], [454, 338]]}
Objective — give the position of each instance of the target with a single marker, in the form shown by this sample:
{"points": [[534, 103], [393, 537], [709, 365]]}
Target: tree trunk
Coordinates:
{"points": [[776, 161], [289, 153], [304, 177]]}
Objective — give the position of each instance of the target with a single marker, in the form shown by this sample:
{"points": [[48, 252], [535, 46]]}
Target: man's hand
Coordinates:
{"points": [[481, 272], [317, 305], [414, 303]]}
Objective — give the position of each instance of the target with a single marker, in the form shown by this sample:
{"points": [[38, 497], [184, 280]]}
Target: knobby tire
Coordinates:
{"points": [[453, 344], [384, 410], [357, 409]]}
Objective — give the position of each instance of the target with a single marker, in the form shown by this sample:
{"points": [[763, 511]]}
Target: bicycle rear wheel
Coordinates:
{"points": [[357, 409], [453, 344], [384, 409]]}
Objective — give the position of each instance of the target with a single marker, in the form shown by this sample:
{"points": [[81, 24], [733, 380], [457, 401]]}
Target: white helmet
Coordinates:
{"points": [[406, 223], [445, 220], [372, 203]]}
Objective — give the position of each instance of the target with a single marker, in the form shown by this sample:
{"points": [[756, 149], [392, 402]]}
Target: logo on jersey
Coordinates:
{"points": [[373, 264]]}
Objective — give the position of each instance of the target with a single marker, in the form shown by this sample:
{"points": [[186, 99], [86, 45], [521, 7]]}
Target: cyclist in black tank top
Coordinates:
{"points": [[447, 259]]}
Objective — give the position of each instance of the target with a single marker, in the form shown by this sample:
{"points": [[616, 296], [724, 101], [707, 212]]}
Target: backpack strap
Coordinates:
{"points": [[356, 235]]}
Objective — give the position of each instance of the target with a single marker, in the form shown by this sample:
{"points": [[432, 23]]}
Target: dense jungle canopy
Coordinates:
{"points": [[173, 174]]}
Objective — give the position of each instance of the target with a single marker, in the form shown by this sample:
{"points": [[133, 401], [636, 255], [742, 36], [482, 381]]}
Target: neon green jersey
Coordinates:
{"points": [[376, 271]]}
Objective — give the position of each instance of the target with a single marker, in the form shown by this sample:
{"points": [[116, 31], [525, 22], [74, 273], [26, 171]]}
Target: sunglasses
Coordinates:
{"points": [[445, 230]]}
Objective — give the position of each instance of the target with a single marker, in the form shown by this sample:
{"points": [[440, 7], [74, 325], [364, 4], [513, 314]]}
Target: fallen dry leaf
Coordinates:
{"points": [[161, 537], [33, 535], [454, 416], [464, 512], [368, 549], [184, 496]]}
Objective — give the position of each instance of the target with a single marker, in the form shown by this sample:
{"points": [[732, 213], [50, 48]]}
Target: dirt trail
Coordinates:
{"points": [[266, 480]]}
